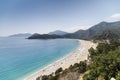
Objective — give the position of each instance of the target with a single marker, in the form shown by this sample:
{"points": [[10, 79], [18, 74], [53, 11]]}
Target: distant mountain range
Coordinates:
{"points": [[25, 35], [44, 36], [103, 30], [57, 32]]}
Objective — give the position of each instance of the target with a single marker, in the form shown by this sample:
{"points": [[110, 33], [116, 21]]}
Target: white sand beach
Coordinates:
{"points": [[80, 54]]}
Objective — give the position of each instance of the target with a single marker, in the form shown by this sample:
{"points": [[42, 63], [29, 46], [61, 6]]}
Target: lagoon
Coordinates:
{"points": [[20, 57]]}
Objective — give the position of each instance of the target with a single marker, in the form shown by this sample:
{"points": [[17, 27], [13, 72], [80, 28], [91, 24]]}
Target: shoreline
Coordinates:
{"points": [[79, 54]]}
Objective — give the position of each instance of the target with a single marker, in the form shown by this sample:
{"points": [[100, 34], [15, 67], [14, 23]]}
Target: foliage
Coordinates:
{"points": [[82, 66], [107, 34], [38, 78], [58, 70], [53, 78], [105, 61], [45, 77], [118, 75], [44, 36]]}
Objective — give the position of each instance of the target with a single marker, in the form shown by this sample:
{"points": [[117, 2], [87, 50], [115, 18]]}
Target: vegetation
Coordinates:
{"points": [[44, 36], [58, 71], [82, 66], [107, 34], [104, 64], [105, 61], [71, 72], [101, 31]]}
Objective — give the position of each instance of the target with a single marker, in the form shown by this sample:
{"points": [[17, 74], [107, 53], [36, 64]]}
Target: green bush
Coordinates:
{"points": [[82, 66], [58, 70], [105, 61], [53, 78], [45, 77]]}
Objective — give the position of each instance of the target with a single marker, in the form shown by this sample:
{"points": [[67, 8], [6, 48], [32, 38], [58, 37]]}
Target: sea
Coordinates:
{"points": [[20, 57]]}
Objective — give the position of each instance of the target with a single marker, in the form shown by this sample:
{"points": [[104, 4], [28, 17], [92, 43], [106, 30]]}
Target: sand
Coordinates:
{"points": [[80, 54]]}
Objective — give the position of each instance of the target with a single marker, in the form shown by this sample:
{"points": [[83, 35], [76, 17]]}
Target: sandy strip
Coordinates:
{"points": [[80, 54]]}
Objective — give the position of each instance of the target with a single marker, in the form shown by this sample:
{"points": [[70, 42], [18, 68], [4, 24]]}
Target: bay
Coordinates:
{"points": [[20, 57]]}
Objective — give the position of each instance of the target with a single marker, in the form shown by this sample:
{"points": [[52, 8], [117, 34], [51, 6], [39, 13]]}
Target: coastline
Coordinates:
{"points": [[80, 54]]}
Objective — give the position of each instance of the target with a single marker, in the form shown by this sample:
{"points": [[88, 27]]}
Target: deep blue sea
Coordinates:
{"points": [[20, 57]]}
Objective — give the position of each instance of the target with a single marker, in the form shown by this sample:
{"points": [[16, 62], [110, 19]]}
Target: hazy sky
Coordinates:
{"points": [[42, 16]]}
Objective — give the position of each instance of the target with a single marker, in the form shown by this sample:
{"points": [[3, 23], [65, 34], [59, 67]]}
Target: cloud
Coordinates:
{"points": [[114, 17]]}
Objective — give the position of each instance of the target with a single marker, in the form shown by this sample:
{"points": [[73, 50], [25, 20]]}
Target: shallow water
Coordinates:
{"points": [[20, 57]]}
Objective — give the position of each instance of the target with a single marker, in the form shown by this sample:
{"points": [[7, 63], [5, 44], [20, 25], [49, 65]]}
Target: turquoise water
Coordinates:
{"points": [[20, 57]]}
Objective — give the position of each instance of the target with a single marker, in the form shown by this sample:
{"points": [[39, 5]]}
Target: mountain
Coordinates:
{"points": [[57, 32], [108, 34], [26, 35], [103, 30], [44, 36]]}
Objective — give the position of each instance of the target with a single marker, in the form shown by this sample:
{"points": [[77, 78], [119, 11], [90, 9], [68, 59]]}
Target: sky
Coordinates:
{"points": [[43, 16]]}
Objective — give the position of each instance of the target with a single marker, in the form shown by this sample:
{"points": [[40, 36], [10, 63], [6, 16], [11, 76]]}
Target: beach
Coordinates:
{"points": [[80, 54]]}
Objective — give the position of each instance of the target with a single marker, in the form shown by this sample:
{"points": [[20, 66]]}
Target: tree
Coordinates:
{"points": [[114, 43], [118, 75], [82, 66], [58, 70], [103, 48], [44, 77], [53, 78], [92, 53], [106, 63]]}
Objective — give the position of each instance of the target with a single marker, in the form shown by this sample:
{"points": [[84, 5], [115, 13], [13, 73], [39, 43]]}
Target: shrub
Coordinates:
{"points": [[58, 70]]}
